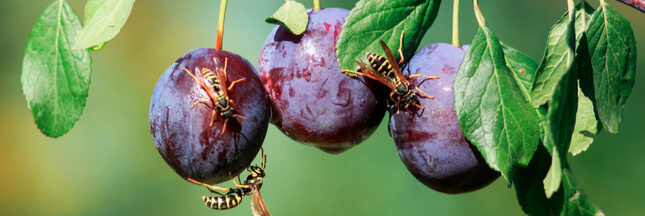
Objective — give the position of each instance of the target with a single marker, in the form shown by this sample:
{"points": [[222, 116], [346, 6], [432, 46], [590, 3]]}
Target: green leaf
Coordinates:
{"points": [[292, 16], [491, 109], [586, 126], [557, 85], [557, 61], [612, 48], [104, 20], [55, 80], [523, 68], [373, 20], [577, 201]]}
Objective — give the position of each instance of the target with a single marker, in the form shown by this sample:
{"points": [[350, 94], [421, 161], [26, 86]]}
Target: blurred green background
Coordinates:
{"points": [[108, 165]]}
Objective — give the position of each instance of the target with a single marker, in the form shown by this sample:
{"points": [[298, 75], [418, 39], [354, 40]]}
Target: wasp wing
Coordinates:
{"points": [[257, 204], [390, 58], [223, 79], [369, 72]]}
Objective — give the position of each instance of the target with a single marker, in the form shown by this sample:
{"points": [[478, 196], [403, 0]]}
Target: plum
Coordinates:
{"points": [[430, 141], [195, 143], [313, 103]]}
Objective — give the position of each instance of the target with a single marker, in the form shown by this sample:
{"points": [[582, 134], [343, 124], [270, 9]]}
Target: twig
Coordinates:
{"points": [[637, 4]]}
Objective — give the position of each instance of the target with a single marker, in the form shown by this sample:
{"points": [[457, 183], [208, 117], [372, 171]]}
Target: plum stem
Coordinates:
{"points": [[316, 5], [455, 24], [220, 25], [478, 14]]}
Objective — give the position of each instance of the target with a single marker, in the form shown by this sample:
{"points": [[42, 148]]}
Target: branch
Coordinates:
{"points": [[638, 4]]}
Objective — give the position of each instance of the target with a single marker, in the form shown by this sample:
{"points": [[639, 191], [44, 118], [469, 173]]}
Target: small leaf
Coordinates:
{"points": [[586, 125], [491, 109], [523, 68], [291, 15], [553, 176], [55, 80], [612, 48], [373, 20], [104, 20]]}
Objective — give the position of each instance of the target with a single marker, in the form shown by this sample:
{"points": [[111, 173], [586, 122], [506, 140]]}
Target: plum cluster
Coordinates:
{"points": [[210, 109]]}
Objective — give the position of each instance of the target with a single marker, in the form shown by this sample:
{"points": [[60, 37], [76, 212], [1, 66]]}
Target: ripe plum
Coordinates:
{"points": [[181, 129], [430, 142], [313, 103]]}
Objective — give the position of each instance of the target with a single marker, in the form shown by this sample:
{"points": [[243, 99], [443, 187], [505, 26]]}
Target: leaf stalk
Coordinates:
{"points": [[478, 14]]}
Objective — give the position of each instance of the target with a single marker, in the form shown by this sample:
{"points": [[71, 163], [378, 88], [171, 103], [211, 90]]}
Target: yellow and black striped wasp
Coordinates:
{"points": [[387, 72], [216, 86], [233, 197]]}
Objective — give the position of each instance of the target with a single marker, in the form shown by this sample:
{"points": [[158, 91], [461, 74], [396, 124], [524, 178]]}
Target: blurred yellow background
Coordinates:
{"points": [[108, 165]]}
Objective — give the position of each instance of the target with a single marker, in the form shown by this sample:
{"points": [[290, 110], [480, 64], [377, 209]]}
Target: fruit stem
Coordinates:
{"points": [[455, 24], [220, 24], [316, 5], [478, 14]]}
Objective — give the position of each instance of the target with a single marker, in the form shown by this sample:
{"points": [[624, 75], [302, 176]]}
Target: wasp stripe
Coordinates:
{"points": [[380, 64], [222, 202]]}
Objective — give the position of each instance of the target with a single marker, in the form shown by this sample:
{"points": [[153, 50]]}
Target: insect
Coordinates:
{"points": [[216, 86], [387, 72], [233, 197]]}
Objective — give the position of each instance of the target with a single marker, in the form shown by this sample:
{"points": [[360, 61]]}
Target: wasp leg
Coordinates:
{"points": [[224, 127], [209, 187], [203, 100], [423, 93], [234, 82], [212, 118], [237, 185]]}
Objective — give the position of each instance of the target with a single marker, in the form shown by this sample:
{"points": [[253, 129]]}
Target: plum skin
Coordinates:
{"points": [[182, 134], [431, 144], [313, 102]]}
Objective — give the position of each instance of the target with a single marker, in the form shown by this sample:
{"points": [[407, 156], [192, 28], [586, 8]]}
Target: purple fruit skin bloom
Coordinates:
{"points": [[313, 102], [182, 134], [431, 144]]}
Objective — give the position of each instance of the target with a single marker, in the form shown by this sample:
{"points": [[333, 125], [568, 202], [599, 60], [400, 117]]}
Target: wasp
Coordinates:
{"points": [[216, 86], [233, 197], [387, 72]]}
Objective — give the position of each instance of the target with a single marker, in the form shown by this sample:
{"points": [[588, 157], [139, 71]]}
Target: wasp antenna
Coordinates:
{"points": [[401, 47]]}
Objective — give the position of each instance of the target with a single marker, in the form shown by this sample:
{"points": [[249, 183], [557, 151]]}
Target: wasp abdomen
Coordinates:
{"points": [[380, 64], [222, 202]]}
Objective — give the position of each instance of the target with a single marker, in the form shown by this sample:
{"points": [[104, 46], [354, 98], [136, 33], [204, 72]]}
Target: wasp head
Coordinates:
{"points": [[257, 171]]}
